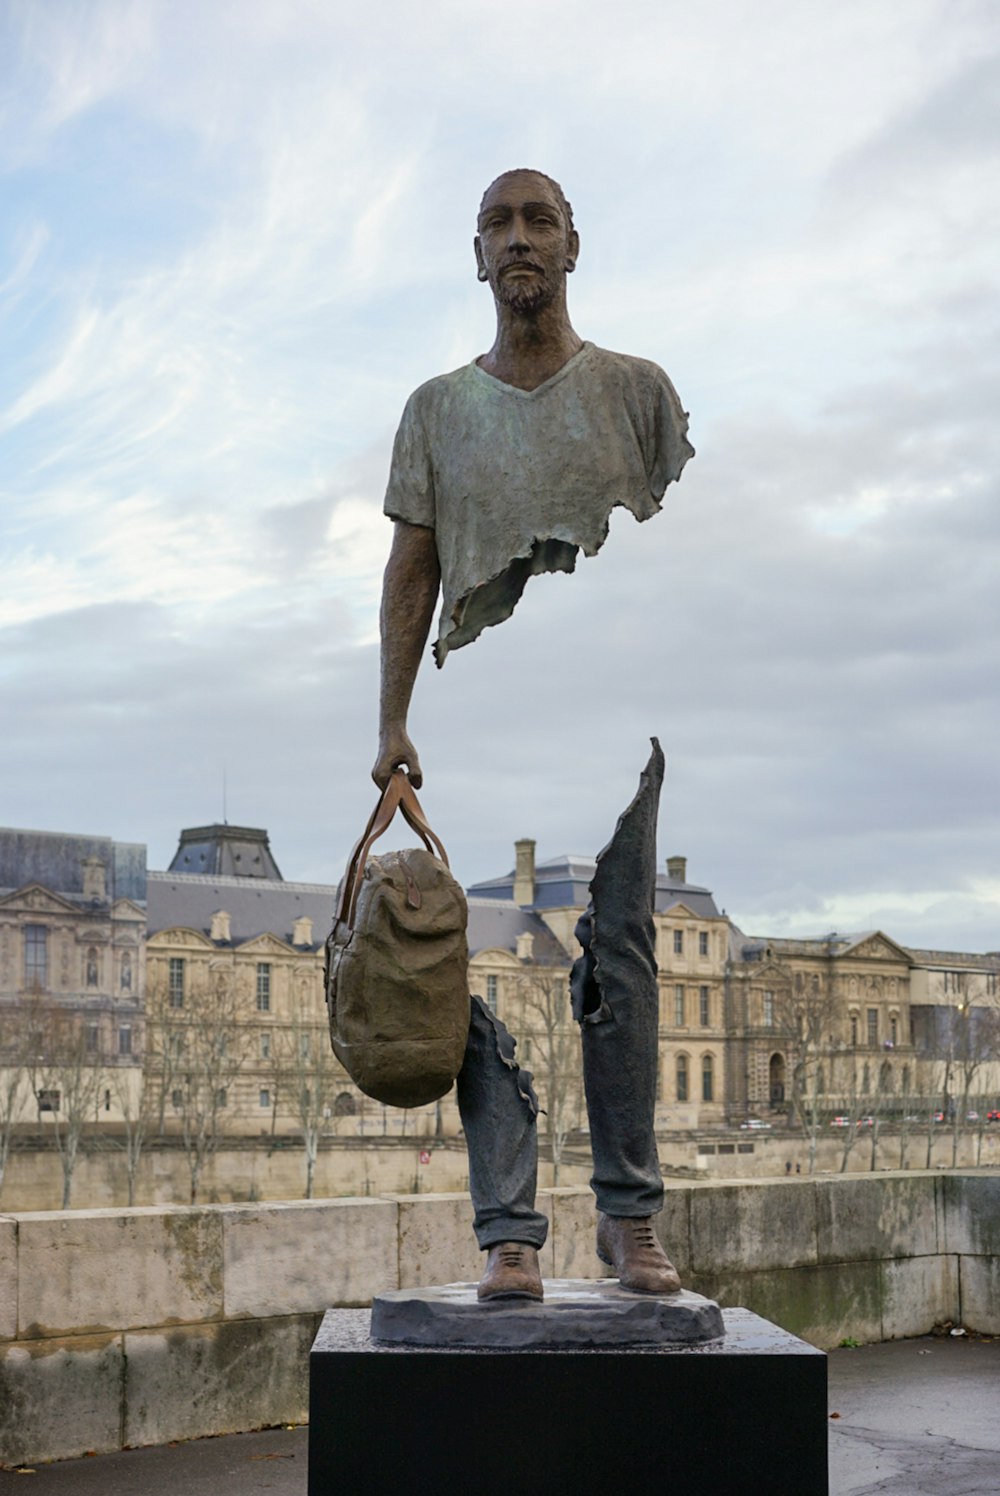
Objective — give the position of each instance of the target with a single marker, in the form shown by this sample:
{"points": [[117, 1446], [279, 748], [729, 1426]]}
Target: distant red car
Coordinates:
{"points": [[993, 1116]]}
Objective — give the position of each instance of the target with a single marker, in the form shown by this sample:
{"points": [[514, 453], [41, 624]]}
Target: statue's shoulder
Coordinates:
{"points": [[439, 390], [627, 366]]}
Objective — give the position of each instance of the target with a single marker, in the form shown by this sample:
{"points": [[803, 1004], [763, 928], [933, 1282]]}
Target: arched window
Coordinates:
{"points": [[885, 1078], [707, 1078], [820, 1080], [906, 1080], [345, 1105], [682, 1077], [854, 1030], [776, 1078]]}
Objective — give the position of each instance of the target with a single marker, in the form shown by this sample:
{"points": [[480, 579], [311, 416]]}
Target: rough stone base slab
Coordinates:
{"points": [[575, 1312], [744, 1416]]}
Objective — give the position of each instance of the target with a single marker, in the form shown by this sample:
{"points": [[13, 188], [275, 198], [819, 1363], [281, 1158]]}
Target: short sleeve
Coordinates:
{"points": [[669, 448], [409, 495]]}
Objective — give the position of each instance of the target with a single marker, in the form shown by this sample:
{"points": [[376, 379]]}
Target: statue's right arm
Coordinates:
{"points": [[409, 594]]}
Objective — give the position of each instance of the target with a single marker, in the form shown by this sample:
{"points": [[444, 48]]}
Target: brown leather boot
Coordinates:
{"points": [[511, 1273], [629, 1245]]}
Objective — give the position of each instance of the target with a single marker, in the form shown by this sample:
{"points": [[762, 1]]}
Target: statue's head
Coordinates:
{"points": [[526, 244]]}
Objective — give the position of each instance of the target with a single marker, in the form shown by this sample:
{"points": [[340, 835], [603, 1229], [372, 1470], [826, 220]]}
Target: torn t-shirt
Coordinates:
{"points": [[514, 482]]}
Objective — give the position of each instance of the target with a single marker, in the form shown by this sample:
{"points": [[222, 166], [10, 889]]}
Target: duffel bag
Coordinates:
{"points": [[397, 981]]}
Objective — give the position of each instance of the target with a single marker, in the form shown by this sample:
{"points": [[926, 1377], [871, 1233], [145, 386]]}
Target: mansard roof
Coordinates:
{"points": [[564, 883], [495, 924], [227, 851], [55, 859], [257, 906]]}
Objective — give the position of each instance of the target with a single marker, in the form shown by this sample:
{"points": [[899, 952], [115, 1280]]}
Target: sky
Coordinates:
{"points": [[234, 237]]}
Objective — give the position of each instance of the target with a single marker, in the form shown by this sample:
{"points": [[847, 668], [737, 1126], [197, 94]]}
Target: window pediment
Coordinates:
{"points": [[36, 899]]}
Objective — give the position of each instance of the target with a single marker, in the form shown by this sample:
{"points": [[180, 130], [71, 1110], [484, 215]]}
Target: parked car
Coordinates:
{"points": [[972, 1116], [755, 1124], [993, 1116], [840, 1121], [866, 1122], [939, 1116]]}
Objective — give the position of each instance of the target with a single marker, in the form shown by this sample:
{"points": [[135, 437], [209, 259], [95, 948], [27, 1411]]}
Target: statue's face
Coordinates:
{"points": [[524, 247]]}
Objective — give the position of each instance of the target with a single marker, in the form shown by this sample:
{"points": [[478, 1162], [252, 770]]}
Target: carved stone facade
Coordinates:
{"points": [[230, 966], [72, 962], [825, 1019]]}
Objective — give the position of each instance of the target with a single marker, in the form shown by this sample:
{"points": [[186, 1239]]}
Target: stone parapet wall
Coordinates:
{"points": [[128, 1327]]}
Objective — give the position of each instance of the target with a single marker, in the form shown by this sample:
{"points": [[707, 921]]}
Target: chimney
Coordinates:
{"points": [[302, 931], [220, 927], [524, 871], [93, 879], [677, 869]]}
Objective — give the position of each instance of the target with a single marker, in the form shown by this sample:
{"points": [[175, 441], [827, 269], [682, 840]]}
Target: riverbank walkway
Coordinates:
{"points": [[908, 1418]]}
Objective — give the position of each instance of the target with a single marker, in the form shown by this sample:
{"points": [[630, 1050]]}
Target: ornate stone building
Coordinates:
{"points": [[956, 1005], [826, 1020], [72, 971], [237, 1020], [211, 972]]}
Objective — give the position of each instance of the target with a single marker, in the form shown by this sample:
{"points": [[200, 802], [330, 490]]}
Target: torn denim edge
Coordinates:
{"points": [[589, 1002], [586, 994], [506, 1044]]}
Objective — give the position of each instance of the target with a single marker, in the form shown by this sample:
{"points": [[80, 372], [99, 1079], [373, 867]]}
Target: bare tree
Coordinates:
{"points": [[310, 1078], [926, 1102], [555, 1054], [14, 1078], [908, 1114], [66, 1077], [972, 1042], [804, 1019], [138, 1106], [852, 1106], [199, 1051], [877, 1109]]}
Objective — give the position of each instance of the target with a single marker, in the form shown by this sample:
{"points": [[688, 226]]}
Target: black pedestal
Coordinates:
{"points": [[745, 1416]]}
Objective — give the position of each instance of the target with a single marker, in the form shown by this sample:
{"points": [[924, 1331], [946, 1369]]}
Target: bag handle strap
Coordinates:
{"points": [[398, 794]]}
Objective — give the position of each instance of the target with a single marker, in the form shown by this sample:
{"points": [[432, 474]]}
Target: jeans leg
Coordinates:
{"points": [[498, 1108], [616, 1000]]}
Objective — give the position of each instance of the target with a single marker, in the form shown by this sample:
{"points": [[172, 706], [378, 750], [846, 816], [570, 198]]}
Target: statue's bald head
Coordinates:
{"points": [[563, 201]]}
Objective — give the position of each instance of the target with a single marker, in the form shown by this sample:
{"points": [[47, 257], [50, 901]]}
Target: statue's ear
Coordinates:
{"points": [[572, 251], [482, 272]]}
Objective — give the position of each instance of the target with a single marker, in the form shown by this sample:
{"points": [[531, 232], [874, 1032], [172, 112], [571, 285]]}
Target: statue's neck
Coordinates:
{"points": [[529, 349]]}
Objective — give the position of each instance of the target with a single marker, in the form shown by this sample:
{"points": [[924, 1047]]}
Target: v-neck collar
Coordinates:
{"points": [[540, 389]]}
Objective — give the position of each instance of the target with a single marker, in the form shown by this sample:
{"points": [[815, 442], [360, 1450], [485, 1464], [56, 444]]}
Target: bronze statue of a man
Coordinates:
{"points": [[503, 470]]}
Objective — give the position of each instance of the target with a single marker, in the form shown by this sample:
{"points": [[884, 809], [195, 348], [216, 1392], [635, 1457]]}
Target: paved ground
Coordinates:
{"points": [[917, 1418], [913, 1418]]}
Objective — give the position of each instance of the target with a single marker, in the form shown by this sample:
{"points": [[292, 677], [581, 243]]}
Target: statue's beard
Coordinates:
{"points": [[526, 298]]}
